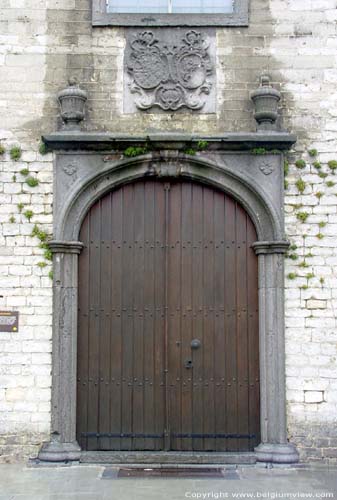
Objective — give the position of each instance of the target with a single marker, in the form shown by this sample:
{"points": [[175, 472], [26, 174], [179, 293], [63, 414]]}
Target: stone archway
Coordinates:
{"points": [[244, 177]]}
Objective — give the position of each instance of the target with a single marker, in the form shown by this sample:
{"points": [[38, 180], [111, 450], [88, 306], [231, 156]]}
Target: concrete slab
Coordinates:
{"points": [[87, 482]]}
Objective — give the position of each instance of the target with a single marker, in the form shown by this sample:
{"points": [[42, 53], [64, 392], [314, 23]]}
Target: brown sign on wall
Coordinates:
{"points": [[9, 321]]}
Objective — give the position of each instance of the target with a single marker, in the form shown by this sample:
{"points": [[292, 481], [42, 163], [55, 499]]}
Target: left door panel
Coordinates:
{"points": [[121, 391]]}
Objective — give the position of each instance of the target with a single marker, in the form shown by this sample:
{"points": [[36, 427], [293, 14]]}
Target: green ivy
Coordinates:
{"points": [[15, 153], [24, 172], [300, 164], [39, 233], [42, 264], [43, 149], [292, 276], [330, 184], [28, 214], [320, 236], [259, 151], [190, 151], [321, 224], [317, 165], [301, 185], [313, 152], [32, 182], [202, 145], [133, 151], [332, 164], [2, 149], [12, 219], [302, 216], [319, 194], [323, 175], [20, 207]]}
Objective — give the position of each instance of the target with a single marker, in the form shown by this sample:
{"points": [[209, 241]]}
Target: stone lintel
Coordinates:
{"points": [[66, 246], [270, 247], [101, 141]]}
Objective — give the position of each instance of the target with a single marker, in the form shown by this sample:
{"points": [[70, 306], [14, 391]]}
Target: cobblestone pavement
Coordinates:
{"points": [[91, 482]]}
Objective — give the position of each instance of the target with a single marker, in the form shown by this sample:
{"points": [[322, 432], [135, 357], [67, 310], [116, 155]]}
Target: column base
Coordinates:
{"points": [[277, 453], [55, 451]]}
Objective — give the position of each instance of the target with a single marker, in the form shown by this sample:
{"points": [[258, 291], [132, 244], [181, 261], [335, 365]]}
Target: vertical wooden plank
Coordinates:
{"points": [[83, 336], [128, 290], [174, 313], [141, 246], [198, 303], [241, 322], [159, 314], [94, 324], [208, 288], [115, 352], [253, 336], [186, 312], [219, 336], [230, 321], [105, 322], [149, 312]]}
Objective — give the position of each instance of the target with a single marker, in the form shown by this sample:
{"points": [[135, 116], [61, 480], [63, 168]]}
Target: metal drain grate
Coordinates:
{"points": [[174, 472]]}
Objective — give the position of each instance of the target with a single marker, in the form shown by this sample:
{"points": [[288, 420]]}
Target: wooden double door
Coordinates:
{"points": [[168, 348]]}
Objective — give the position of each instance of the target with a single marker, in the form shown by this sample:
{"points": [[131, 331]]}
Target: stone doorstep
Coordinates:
{"points": [[165, 458]]}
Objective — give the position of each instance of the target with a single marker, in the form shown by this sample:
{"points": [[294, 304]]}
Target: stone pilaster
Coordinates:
{"points": [[63, 445], [274, 445]]}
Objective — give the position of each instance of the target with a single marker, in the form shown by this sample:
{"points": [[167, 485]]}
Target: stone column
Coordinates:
{"points": [[274, 445], [63, 445]]}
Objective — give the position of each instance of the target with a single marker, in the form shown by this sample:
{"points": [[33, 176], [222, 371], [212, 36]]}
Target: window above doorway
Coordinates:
{"points": [[170, 12]]}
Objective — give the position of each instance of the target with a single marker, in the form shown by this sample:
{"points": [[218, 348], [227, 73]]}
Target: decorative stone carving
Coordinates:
{"points": [[71, 170], [266, 167], [72, 103], [266, 100], [169, 72]]}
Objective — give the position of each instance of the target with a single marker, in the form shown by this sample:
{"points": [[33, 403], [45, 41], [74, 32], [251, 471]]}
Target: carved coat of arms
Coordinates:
{"points": [[169, 75]]}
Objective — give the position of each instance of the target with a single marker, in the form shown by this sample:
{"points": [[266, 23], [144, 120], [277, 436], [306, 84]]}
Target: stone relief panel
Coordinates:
{"points": [[170, 70]]}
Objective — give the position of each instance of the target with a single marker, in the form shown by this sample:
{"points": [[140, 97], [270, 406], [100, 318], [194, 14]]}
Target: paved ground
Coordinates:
{"points": [[89, 482]]}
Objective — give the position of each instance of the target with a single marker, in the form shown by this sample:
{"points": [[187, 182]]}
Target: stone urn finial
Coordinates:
{"points": [[72, 104], [266, 100]]}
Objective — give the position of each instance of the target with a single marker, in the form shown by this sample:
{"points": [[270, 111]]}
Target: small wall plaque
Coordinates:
{"points": [[9, 321]]}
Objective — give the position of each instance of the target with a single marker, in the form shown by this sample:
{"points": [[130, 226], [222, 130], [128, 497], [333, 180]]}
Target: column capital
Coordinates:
{"points": [[270, 247], [66, 246]]}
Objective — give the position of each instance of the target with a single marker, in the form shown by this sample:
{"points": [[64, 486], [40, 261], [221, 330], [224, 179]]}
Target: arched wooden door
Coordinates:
{"points": [[168, 346]]}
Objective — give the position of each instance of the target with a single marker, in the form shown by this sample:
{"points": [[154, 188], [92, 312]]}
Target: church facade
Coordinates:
{"points": [[168, 231]]}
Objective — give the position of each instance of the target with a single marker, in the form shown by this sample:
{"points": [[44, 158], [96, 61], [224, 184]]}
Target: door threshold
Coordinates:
{"points": [[170, 457]]}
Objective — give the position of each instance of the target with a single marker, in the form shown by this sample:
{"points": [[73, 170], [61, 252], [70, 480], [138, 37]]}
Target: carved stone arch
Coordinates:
{"points": [[257, 184], [267, 219]]}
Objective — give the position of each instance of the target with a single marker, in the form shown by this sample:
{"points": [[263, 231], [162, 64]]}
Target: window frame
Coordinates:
{"points": [[100, 17]]}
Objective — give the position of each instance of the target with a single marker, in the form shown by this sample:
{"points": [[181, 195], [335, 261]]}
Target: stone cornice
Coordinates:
{"points": [[66, 246], [270, 247], [103, 141]]}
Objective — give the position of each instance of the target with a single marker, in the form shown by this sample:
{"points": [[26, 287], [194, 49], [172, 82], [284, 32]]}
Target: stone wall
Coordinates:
{"points": [[42, 44]]}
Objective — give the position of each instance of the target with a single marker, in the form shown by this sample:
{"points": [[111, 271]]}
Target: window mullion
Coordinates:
{"points": [[169, 6]]}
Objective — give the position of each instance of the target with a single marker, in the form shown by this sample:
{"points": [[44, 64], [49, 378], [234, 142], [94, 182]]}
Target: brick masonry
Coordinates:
{"points": [[42, 43]]}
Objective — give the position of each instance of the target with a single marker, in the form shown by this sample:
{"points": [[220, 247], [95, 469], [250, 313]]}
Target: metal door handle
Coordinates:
{"points": [[195, 344]]}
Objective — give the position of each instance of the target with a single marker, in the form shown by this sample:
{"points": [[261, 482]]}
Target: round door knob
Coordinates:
{"points": [[195, 344]]}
